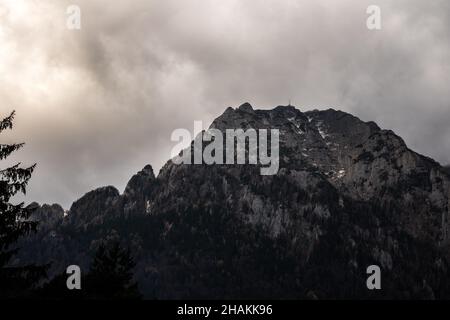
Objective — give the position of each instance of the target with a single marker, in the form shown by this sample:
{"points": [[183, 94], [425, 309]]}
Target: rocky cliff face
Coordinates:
{"points": [[347, 195]]}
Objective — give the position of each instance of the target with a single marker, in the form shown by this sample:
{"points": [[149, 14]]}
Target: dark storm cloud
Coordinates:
{"points": [[96, 105]]}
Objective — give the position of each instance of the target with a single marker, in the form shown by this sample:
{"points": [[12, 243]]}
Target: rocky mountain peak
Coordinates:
{"points": [[94, 206], [138, 190], [140, 180], [46, 214], [347, 194], [358, 158], [246, 107]]}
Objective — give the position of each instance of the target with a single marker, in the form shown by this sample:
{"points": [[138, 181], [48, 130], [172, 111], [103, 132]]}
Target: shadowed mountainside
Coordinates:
{"points": [[347, 195]]}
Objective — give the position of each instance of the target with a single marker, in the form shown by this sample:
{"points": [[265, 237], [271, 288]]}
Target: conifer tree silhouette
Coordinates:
{"points": [[14, 223], [111, 274]]}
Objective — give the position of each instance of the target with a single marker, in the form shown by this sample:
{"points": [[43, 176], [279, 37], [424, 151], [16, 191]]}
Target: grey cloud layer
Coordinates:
{"points": [[96, 105]]}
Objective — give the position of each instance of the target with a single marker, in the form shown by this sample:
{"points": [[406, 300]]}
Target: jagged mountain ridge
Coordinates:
{"points": [[348, 194]]}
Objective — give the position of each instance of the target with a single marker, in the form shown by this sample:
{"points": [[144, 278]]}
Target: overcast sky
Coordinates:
{"points": [[95, 105]]}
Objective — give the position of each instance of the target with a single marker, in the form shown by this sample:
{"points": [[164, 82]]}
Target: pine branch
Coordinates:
{"points": [[16, 174], [7, 149], [7, 123]]}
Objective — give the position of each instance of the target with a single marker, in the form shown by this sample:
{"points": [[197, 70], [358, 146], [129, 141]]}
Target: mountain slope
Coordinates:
{"points": [[347, 195]]}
